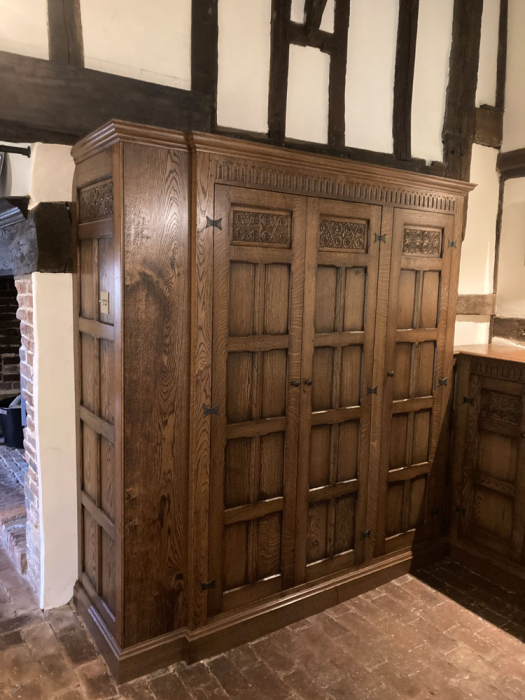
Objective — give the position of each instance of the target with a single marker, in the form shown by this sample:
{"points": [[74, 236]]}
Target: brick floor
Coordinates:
{"points": [[445, 633]]}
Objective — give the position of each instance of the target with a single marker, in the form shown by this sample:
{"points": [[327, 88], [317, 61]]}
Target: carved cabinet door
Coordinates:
{"points": [[259, 240], [494, 466], [422, 248], [342, 258]]}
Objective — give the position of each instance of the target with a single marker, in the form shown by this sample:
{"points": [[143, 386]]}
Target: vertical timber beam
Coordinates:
{"points": [[280, 54], [65, 33], [313, 12], [404, 78], [460, 111], [502, 54], [205, 50], [337, 88]]}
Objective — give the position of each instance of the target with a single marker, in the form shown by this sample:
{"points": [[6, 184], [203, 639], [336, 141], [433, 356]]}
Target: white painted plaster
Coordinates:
{"points": [[510, 300], [244, 64], [138, 39], [52, 170], [307, 99], [434, 38], [488, 54], [297, 11], [55, 427], [372, 38], [23, 27], [15, 178], [476, 273], [472, 330], [327, 21], [514, 118]]}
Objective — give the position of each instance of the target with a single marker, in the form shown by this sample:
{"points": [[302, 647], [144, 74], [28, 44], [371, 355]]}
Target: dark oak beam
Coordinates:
{"points": [[279, 59], [65, 32], [39, 97], [313, 13], [502, 54], [512, 163], [489, 126], [476, 305], [460, 113], [324, 41], [509, 328], [404, 77], [204, 50], [337, 86]]}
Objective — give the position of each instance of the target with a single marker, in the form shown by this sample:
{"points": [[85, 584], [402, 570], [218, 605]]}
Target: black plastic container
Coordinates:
{"points": [[12, 426]]}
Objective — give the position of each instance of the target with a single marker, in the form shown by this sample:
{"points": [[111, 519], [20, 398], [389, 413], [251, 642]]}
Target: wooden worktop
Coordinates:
{"points": [[498, 352]]}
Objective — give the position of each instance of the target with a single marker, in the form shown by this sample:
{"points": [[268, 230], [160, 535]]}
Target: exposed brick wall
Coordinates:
{"points": [[25, 314], [9, 339]]}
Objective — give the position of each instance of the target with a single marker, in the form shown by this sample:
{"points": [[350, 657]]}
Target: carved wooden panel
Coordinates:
{"points": [[349, 235], [422, 242], [501, 407], [95, 202], [259, 227]]}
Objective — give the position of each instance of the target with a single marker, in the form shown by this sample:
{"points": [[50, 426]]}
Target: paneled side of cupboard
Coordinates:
{"points": [[264, 358]]}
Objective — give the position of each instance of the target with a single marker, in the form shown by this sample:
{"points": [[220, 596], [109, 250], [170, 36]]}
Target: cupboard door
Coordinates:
{"points": [[422, 249], [493, 467], [257, 328], [342, 256]]}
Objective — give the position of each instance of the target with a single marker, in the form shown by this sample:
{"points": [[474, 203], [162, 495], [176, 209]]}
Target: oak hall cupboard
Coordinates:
{"points": [[264, 360]]}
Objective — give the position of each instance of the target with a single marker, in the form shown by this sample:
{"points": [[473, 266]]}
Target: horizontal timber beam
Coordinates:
{"points": [[512, 163], [476, 305], [489, 127], [43, 100], [509, 328]]}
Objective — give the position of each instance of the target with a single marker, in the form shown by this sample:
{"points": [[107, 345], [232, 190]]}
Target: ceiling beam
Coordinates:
{"points": [[65, 32]]}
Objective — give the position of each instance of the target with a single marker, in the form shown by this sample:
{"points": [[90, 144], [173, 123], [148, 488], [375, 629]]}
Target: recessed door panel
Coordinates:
{"points": [[342, 257]]}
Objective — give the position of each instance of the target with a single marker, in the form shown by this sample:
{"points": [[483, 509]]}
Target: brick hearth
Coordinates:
{"points": [[13, 468]]}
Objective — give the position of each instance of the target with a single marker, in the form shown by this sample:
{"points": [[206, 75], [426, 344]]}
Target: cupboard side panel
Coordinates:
{"points": [[156, 318]]}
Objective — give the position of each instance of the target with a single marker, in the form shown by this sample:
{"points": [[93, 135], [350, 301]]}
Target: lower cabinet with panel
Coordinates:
{"points": [[264, 361], [489, 462]]}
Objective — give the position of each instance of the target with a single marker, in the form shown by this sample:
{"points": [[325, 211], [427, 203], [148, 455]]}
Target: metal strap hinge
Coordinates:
{"points": [[216, 223], [371, 390], [365, 534], [443, 382], [208, 584], [452, 244], [208, 410], [380, 237], [467, 399]]}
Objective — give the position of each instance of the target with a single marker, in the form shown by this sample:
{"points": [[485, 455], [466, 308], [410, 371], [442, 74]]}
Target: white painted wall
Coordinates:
{"points": [[511, 272], [472, 330], [514, 118], [52, 170], [307, 98], [139, 39], [372, 39], [434, 39], [477, 257], [488, 54], [23, 27], [54, 380], [244, 64]]}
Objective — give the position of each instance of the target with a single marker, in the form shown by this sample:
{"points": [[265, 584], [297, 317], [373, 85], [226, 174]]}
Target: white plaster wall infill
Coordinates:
{"points": [[23, 27], [514, 118], [472, 330], [488, 54], [476, 273], [244, 64], [510, 301], [434, 39], [55, 426], [372, 39], [327, 20], [307, 99], [138, 39], [52, 170]]}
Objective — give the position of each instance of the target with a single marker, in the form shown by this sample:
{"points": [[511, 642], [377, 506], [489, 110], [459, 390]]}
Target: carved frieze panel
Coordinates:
{"points": [[261, 228], [501, 407], [96, 202], [347, 235], [425, 242], [498, 369], [308, 183]]}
